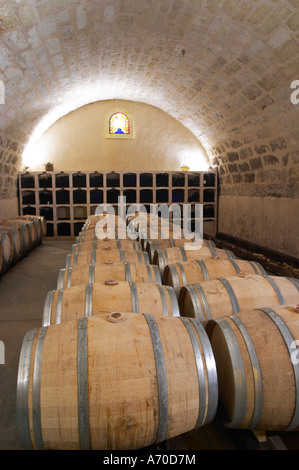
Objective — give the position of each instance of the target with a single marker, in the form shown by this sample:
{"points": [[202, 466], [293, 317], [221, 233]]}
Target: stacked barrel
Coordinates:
{"points": [[252, 321], [18, 236], [113, 366], [144, 339]]}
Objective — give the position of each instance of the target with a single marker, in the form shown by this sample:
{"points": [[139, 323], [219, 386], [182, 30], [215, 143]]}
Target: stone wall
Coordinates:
{"points": [[10, 160], [259, 191], [268, 222], [266, 169]]}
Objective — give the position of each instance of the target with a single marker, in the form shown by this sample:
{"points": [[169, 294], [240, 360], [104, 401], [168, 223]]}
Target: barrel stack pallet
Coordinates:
{"points": [[206, 323], [19, 236]]}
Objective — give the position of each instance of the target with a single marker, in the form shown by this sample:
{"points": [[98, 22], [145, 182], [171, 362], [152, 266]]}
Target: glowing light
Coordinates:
{"points": [[195, 160], [119, 124]]}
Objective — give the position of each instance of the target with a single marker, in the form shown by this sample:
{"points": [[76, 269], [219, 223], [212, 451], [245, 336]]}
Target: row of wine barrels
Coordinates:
{"points": [[231, 295], [195, 271], [85, 309], [18, 236], [93, 219], [100, 272], [97, 225], [85, 303], [31, 234], [141, 221], [258, 368], [107, 244], [142, 229], [250, 361], [39, 221], [91, 235], [105, 224], [117, 381], [86, 300], [106, 256], [145, 218], [167, 256], [153, 245]]}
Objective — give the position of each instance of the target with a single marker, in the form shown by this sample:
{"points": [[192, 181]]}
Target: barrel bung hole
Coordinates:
{"points": [[116, 317]]}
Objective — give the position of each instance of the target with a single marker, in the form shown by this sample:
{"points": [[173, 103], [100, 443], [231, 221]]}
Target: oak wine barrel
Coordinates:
{"points": [[149, 228], [91, 235], [141, 220], [104, 223], [92, 220], [153, 245], [114, 382], [106, 256], [233, 294], [29, 231], [178, 275], [167, 256], [40, 223], [15, 235], [258, 368], [26, 233], [106, 244], [99, 272], [89, 299]]}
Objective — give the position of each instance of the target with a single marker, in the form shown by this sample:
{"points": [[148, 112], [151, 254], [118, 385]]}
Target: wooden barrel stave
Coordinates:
{"points": [[17, 243], [7, 247], [26, 236]]}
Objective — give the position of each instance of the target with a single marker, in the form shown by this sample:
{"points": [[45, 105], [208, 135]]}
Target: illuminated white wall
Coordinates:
{"points": [[78, 141]]}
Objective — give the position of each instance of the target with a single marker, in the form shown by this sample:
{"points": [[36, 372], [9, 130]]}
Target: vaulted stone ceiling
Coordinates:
{"points": [[223, 68]]}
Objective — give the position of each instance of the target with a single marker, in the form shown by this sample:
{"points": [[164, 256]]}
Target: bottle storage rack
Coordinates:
{"points": [[66, 199]]}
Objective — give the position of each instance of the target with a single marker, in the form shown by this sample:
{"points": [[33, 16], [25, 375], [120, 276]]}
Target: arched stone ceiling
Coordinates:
{"points": [[223, 68]]}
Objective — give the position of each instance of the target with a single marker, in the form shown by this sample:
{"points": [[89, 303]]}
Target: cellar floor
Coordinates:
{"points": [[22, 295]]}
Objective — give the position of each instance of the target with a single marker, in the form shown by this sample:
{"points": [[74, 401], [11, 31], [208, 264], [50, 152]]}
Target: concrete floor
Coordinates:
{"points": [[23, 291]]}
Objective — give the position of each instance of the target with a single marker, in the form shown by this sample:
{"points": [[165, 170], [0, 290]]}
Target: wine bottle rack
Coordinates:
{"points": [[66, 199]]}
